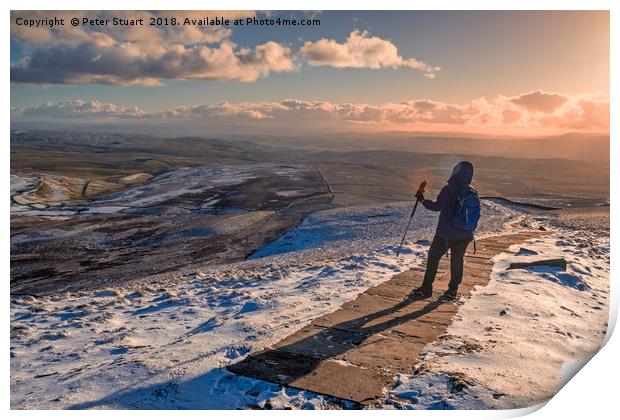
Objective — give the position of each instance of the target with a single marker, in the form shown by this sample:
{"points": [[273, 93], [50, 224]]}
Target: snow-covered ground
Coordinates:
{"points": [[346, 230], [170, 185], [164, 343], [177, 334], [21, 183], [510, 339]]}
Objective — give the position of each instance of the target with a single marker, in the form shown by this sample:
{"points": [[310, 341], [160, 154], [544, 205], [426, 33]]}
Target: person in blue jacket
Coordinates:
{"points": [[447, 236]]}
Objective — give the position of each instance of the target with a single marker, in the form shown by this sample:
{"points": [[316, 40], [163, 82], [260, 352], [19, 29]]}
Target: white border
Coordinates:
{"points": [[592, 394]]}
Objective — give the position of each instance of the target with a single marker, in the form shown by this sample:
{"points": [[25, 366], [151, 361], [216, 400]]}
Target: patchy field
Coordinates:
{"points": [[210, 214]]}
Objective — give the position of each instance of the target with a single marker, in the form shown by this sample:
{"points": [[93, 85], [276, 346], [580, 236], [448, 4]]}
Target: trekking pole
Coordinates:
{"points": [[415, 206]]}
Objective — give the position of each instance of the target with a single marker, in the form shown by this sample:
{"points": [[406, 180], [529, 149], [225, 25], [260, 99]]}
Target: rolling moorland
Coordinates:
{"points": [[94, 208]]}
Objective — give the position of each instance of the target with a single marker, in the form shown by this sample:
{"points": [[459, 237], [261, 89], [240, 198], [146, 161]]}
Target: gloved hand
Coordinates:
{"points": [[419, 195]]}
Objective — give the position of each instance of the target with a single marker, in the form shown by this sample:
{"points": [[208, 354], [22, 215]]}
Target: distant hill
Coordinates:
{"points": [[573, 146], [573, 165], [98, 153]]}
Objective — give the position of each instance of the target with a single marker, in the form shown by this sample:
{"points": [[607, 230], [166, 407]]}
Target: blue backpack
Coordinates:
{"points": [[467, 212]]}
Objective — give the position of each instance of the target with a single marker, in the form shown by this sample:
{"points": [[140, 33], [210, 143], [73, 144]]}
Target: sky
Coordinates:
{"points": [[502, 72]]}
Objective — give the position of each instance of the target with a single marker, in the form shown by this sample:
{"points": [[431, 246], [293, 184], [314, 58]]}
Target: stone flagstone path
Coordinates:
{"points": [[356, 351]]}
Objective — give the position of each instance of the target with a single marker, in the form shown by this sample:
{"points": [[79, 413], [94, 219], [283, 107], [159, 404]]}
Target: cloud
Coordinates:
{"points": [[127, 64], [581, 113], [127, 55], [152, 37], [578, 112], [540, 101], [78, 109], [220, 110], [148, 55], [510, 116], [360, 50]]}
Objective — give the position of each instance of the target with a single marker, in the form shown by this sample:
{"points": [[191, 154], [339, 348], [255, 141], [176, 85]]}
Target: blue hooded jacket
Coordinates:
{"points": [[446, 202]]}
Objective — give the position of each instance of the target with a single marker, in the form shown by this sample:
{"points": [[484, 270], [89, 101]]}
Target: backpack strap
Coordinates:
{"points": [[474, 245]]}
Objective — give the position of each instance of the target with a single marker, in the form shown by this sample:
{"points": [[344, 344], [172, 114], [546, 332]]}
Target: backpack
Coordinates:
{"points": [[467, 212]]}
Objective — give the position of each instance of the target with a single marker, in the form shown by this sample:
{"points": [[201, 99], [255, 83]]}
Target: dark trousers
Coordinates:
{"points": [[437, 250]]}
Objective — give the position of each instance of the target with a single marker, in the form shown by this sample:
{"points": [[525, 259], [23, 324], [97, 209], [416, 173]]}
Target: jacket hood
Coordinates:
{"points": [[462, 173]]}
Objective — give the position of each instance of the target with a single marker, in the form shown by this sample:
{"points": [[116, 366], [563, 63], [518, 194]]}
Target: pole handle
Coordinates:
{"points": [[422, 187]]}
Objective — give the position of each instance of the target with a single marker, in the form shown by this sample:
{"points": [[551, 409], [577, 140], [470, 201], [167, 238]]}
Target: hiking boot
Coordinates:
{"points": [[421, 293], [449, 295]]}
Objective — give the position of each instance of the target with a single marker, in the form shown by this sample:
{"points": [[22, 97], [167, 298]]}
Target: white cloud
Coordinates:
{"points": [[361, 50], [78, 109], [220, 110]]}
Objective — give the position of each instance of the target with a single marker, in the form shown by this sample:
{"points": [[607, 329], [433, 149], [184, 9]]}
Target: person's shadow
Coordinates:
{"points": [[281, 365], [286, 363]]}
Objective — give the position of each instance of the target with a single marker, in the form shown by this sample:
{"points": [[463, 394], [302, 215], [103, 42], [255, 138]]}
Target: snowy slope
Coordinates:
{"points": [[164, 343], [177, 330], [358, 228]]}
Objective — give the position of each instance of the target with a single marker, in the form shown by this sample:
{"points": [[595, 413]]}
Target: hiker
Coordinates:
{"points": [[459, 209]]}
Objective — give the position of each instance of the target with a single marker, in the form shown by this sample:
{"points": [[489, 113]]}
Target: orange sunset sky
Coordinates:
{"points": [[494, 73]]}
